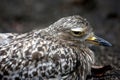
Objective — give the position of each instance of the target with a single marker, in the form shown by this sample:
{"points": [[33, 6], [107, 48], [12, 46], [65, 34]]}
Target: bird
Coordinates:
{"points": [[58, 52]]}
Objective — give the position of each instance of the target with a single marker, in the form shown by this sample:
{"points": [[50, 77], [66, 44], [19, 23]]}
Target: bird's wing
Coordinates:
{"points": [[36, 56], [6, 38]]}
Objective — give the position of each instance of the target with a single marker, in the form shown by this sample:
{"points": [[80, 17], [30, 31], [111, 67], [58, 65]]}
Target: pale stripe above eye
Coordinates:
{"points": [[78, 29]]}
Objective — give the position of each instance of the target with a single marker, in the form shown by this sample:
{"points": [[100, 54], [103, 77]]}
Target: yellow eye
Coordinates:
{"points": [[77, 33]]}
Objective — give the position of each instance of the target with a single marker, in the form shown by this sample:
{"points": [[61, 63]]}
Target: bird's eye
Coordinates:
{"points": [[77, 33]]}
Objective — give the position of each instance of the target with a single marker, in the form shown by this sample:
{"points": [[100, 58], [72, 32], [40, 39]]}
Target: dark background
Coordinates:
{"points": [[104, 16]]}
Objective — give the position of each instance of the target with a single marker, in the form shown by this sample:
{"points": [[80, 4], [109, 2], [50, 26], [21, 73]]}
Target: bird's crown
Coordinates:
{"points": [[75, 25]]}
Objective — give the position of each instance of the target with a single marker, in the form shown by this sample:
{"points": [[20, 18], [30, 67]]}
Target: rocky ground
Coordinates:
{"points": [[104, 16]]}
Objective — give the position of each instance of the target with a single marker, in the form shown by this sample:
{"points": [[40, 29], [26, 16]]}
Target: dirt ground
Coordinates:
{"points": [[104, 16]]}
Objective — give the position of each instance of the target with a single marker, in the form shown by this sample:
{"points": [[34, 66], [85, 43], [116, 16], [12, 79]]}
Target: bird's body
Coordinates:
{"points": [[50, 53]]}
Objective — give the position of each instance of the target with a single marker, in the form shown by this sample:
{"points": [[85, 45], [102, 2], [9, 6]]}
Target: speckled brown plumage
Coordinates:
{"points": [[50, 53]]}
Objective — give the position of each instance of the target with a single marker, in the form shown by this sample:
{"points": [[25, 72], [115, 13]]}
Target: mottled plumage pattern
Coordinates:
{"points": [[50, 53]]}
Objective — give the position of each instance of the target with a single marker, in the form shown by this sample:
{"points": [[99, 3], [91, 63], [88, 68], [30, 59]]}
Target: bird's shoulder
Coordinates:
{"points": [[34, 43]]}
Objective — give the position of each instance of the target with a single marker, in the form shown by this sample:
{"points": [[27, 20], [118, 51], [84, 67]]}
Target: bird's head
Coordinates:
{"points": [[76, 29]]}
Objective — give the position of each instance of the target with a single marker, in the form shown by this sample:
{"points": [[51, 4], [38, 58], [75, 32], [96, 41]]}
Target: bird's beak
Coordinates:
{"points": [[93, 39]]}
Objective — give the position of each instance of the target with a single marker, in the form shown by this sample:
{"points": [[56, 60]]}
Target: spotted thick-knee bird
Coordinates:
{"points": [[58, 52]]}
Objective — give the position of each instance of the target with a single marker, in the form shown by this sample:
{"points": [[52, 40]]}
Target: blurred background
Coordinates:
{"points": [[104, 15]]}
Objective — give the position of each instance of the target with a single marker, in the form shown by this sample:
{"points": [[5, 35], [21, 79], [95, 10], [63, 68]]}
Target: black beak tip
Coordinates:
{"points": [[107, 44]]}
